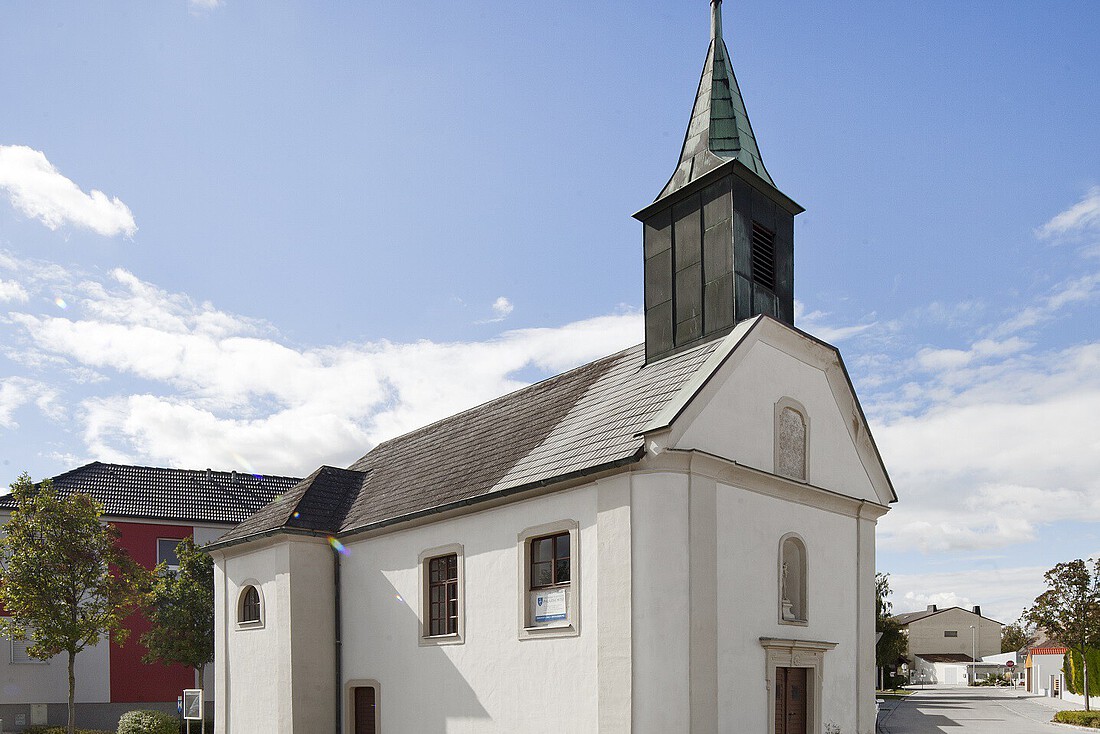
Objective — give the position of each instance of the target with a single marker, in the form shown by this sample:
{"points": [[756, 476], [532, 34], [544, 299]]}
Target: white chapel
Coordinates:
{"points": [[679, 537]]}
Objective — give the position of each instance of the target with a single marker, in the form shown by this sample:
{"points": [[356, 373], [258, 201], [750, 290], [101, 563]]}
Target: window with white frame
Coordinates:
{"points": [[442, 612], [18, 648], [549, 580], [793, 601], [250, 607]]}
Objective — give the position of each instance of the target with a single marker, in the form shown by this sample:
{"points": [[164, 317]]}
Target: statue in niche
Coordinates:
{"points": [[787, 605]]}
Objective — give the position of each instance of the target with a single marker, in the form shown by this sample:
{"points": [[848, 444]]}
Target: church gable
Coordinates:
{"points": [[780, 401]]}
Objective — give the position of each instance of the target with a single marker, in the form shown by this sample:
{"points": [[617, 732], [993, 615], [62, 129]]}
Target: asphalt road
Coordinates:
{"points": [[969, 711]]}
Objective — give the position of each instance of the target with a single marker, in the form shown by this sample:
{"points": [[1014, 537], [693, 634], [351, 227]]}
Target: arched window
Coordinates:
{"points": [[792, 580], [791, 434], [250, 607]]}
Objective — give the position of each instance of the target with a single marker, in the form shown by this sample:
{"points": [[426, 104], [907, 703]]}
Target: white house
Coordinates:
{"points": [[677, 537]]}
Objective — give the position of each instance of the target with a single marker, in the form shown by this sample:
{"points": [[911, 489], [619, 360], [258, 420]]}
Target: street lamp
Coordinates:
{"points": [[974, 644]]}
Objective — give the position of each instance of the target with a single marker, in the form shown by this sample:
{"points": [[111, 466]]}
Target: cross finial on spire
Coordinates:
{"points": [[715, 20]]}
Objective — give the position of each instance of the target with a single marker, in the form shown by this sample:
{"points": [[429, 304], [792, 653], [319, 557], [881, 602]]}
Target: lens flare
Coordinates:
{"points": [[60, 302], [338, 546]]}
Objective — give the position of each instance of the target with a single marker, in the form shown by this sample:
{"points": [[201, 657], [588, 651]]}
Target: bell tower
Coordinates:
{"points": [[718, 241]]}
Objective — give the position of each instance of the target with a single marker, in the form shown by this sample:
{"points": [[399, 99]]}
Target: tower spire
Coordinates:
{"points": [[719, 130]]}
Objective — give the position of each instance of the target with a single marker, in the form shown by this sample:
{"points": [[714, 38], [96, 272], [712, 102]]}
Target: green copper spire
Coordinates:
{"points": [[719, 130]]}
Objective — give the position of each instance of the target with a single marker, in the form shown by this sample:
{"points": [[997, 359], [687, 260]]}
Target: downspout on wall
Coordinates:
{"points": [[337, 623]]}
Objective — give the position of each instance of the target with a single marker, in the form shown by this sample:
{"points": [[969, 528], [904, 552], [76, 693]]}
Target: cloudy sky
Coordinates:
{"points": [[264, 236]]}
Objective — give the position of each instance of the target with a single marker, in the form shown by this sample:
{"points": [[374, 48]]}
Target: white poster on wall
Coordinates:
{"points": [[550, 606]]}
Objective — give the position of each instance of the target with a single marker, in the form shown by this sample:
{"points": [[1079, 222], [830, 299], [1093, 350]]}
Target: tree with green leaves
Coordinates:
{"points": [[180, 608], [63, 577], [1017, 636], [892, 644], [1069, 610]]}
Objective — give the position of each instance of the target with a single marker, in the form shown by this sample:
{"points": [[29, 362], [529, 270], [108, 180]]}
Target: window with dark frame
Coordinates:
{"points": [[250, 605], [166, 552], [950, 633], [443, 595], [550, 561]]}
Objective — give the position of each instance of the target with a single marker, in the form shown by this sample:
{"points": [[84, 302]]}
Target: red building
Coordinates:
{"points": [[153, 509]]}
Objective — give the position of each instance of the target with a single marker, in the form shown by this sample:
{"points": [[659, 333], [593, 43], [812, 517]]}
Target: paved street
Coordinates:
{"points": [[970, 711]]}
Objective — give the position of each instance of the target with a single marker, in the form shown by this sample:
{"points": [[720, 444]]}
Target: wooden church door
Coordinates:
{"points": [[790, 701], [365, 710]]}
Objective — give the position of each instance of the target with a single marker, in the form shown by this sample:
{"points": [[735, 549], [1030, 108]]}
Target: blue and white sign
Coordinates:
{"points": [[550, 606]]}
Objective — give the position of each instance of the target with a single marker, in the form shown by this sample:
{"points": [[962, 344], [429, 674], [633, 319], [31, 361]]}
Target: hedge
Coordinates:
{"points": [[1074, 672], [1080, 718], [148, 722], [40, 729]]}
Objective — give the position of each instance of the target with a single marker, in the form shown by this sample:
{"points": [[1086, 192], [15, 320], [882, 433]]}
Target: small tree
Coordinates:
{"points": [[1017, 636], [63, 576], [181, 610], [1069, 610], [892, 643]]}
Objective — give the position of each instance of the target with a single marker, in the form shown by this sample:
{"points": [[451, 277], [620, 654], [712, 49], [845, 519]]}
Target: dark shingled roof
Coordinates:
{"points": [[577, 422], [946, 657], [909, 617], [170, 494]]}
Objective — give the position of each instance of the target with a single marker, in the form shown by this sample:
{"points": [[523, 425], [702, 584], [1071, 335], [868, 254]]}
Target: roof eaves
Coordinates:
{"points": [[489, 496]]}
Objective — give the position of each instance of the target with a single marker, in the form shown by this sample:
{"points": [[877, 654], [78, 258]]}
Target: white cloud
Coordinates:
{"points": [[40, 191], [1082, 216], [11, 290], [15, 392], [224, 391], [817, 323], [1002, 593], [502, 307]]}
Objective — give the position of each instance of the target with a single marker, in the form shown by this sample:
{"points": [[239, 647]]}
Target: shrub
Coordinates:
{"points": [[39, 729], [148, 722], [1080, 718]]}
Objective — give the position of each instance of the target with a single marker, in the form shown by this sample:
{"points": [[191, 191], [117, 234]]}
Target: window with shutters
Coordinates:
{"points": [[18, 650]]}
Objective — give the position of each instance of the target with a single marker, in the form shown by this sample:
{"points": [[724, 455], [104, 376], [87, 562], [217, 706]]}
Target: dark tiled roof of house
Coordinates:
{"points": [[910, 617], [948, 657], [567, 425], [170, 494]]}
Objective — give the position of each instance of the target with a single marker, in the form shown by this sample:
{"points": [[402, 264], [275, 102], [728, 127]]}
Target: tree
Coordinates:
{"points": [[1017, 636], [180, 608], [1069, 610], [892, 643], [63, 576]]}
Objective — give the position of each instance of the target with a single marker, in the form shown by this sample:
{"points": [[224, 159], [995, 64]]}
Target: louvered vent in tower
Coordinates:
{"points": [[763, 256]]}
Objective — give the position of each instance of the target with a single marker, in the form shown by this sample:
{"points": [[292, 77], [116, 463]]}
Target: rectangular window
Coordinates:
{"points": [[950, 633], [550, 561], [549, 580], [443, 595], [19, 654], [166, 553]]}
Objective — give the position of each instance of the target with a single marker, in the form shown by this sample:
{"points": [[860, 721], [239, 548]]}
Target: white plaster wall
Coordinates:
{"points": [[49, 682], [313, 636], [738, 415], [661, 602], [493, 682], [750, 526], [253, 666], [203, 535]]}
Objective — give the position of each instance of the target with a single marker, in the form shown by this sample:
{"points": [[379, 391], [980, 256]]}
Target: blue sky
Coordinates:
{"points": [[265, 236]]}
